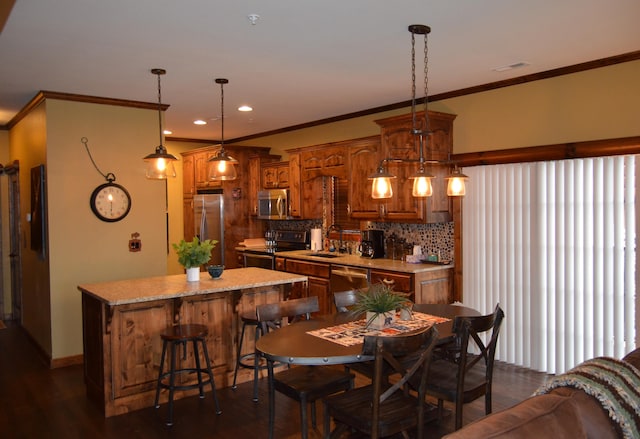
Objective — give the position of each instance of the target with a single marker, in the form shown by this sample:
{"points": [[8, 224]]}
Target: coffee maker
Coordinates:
{"points": [[372, 243]]}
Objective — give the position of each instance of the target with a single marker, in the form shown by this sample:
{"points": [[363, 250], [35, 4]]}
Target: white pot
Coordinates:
{"points": [[193, 274], [380, 321]]}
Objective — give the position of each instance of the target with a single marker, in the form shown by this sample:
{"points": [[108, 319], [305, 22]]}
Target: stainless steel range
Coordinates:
{"points": [[285, 240]]}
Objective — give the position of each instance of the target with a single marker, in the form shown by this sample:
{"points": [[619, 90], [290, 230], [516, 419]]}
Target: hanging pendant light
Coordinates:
{"points": [[421, 179], [381, 185], [455, 183], [222, 166], [160, 163]]}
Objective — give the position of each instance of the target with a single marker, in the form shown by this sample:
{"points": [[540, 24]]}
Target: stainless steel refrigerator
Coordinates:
{"points": [[209, 222]]}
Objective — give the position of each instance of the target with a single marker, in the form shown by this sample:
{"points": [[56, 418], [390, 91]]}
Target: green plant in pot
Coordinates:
{"points": [[192, 254], [380, 303]]}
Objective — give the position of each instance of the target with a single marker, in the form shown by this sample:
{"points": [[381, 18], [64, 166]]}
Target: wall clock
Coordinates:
{"points": [[110, 202]]}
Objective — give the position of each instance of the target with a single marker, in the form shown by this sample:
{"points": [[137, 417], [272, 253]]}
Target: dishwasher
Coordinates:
{"points": [[345, 278]]}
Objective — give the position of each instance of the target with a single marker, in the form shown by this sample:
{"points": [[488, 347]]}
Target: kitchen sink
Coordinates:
{"points": [[323, 255]]}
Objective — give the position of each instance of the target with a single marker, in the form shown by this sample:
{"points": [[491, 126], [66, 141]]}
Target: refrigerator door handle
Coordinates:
{"points": [[203, 223]]}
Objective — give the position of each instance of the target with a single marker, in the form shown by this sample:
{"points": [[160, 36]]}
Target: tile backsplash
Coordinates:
{"points": [[434, 239]]}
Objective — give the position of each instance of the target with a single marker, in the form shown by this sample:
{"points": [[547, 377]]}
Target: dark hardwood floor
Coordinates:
{"points": [[36, 402]]}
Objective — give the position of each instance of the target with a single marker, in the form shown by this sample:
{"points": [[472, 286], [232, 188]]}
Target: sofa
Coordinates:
{"points": [[566, 409]]}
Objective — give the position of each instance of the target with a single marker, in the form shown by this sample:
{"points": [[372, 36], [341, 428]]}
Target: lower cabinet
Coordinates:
{"points": [[423, 287], [434, 286], [318, 283]]}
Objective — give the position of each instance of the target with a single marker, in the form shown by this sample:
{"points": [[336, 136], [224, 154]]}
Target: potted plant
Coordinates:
{"points": [[380, 303], [193, 254]]}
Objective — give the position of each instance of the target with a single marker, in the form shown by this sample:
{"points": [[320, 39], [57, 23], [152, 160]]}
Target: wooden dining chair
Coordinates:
{"points": [[466, 373], [305, 384], [383, 408], [345, 299]]}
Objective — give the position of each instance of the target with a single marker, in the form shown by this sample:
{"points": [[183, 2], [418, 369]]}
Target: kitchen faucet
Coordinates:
{"points": [[342, 248]]}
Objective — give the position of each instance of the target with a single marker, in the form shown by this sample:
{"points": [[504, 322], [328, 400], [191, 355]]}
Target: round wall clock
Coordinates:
{"points": [[110, 202]]}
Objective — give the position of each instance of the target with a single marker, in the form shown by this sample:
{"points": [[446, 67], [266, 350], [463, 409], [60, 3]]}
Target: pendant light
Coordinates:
{"points": [[160, 163], [456, 185], [222, 166], [381, 185], [421, 180]]}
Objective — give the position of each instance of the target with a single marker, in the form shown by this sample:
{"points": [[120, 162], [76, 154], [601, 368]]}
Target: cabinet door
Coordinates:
{"points": [[254, 184], [188, 176], [282, 176], [295, 188], [136, 345], [269, 177], [321, 288], [216, 312], [434, 286], [364, 157], [202, 170]]}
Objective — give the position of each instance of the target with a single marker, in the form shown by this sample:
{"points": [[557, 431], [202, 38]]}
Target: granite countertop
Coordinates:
{"points": [[123, 292], [359, 261]]}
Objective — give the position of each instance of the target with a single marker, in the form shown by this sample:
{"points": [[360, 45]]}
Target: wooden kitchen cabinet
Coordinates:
{"points": [[275, 175], [202, 170], [295, 186], [364, 158], [329, 160], [398, 143], [434, 286], [318, 283], [188, 176]]}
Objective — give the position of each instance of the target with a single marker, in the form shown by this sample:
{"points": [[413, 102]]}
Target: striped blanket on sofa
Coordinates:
{"points": [[614, 383]]}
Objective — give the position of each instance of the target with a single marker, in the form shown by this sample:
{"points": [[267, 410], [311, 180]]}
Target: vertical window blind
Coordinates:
{"points": [[554, 244]]}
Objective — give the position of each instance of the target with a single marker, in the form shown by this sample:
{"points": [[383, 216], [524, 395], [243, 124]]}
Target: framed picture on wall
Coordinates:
{"points": [[38, 211]]}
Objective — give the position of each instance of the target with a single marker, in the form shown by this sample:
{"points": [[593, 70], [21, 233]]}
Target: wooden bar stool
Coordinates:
{"points": [[250, 360], [182, 335]]}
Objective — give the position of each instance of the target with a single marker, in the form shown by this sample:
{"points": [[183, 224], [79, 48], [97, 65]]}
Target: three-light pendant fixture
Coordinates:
{"points": [[381, 187]]}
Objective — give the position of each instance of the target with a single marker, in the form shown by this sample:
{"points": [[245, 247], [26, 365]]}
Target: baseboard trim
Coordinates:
{"points": [[73, 360]]}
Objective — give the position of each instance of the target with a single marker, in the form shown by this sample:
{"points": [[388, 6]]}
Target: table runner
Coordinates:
{"points": [[352, 333]]}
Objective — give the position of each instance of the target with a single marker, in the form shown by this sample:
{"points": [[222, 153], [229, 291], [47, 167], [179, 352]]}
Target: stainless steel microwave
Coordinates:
{"points": [[273, 204]]}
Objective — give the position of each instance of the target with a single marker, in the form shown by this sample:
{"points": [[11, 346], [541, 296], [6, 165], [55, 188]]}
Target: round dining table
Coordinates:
{"points": [[292, 344]]}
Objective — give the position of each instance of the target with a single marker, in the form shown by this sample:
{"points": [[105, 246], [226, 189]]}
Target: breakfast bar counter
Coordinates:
{"points": [[122, 321]]}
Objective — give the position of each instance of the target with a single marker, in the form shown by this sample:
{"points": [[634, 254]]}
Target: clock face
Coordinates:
{"points": [[110, 202]]}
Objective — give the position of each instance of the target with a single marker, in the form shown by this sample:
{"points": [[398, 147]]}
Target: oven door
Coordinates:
{"points": [[260, 260]]}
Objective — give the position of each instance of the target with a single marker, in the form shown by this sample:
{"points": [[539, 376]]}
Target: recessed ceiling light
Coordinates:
{"points": [[245, 108], [167, 132], [516, 65], [199, 122]]}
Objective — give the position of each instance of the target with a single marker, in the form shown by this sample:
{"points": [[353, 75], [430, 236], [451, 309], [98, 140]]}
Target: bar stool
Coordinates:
{"points": [[181, 335], [250, 360]]}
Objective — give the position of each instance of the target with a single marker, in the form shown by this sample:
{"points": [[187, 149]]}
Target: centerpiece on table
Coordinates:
{"points": [[193, 254], [380, 303]]}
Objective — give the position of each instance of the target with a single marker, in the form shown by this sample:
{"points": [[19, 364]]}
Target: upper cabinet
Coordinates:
{"points": [[329, 160], [201, 160], [364, 157], [275, 175], [397, 142], [257, 166]]}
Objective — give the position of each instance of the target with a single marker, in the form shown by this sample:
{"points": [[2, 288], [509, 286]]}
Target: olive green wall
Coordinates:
{"points": [[594, 104], [28, 141]]}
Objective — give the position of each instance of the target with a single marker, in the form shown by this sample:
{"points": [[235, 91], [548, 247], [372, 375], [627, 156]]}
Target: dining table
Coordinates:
{"points": [[296, 345]]}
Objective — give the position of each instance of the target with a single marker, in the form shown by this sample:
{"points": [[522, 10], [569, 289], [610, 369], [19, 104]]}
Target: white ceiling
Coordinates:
{"points": [[303, 60]]}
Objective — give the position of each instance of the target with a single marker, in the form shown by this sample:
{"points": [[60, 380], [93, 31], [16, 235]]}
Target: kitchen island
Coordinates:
{"points": [[122, 321]]}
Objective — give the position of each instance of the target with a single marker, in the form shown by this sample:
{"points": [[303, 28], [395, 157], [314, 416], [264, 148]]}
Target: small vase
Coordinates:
{"points": [[193, 274], [379, 321]]}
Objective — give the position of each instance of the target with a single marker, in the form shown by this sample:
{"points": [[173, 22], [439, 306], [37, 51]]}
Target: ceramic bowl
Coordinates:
{"points": [[215, 271]]}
